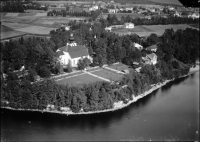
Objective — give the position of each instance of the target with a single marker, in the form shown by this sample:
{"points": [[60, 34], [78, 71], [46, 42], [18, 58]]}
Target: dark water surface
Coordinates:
{"points": [[169, 113]]}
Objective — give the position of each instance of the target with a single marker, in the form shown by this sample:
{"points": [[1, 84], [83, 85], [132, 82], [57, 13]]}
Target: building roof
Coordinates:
{"points": [[152, 47], [75, 51], [151, 56]]}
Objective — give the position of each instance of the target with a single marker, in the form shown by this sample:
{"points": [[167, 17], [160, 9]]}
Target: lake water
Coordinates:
{"points": [[169, 113]]}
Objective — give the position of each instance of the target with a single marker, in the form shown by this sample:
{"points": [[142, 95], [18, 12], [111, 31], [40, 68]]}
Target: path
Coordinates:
{"points": [[113, 70], [97, 76]]}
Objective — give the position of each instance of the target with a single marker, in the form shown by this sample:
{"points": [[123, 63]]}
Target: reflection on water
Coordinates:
{"points": [[173, 83], [91, 121]]}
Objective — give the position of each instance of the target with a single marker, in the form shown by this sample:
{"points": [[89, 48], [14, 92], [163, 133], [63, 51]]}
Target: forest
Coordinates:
{"points": [[177, 51], [19, 6]]}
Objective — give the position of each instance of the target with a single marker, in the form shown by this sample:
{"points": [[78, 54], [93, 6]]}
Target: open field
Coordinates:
{"points": [[11, 34], [107, 74], [5, 29], [146, 30], [62, 2], [80, 79], [119, 15], [119, 67], [36, 30], [52, 20]]}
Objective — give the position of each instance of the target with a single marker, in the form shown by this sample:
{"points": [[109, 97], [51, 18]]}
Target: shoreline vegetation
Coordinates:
{"points": [[117, 105]]}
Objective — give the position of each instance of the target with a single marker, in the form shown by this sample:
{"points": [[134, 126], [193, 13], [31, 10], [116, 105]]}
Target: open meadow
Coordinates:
{"points": [[146, 30]]}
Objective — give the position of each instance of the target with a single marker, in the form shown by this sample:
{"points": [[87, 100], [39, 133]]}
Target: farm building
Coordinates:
{"points": [[72, 53], [129, 25]]}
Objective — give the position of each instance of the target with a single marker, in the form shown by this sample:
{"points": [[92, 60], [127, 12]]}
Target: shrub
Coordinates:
{"points": [[44, 72]]}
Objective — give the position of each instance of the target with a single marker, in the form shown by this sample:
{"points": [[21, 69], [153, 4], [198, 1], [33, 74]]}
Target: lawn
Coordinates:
{"points": [[146, 30], [119, 67], [107, 74], [81, 79]]}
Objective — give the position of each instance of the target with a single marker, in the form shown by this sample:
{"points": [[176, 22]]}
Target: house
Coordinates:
{"points": [[128, 25], [138, 46], [152, 48], [194, 15], [150, 59], [72, 52]]}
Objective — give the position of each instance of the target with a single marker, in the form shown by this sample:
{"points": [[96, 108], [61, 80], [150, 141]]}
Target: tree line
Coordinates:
{"points": [[113, 20]]}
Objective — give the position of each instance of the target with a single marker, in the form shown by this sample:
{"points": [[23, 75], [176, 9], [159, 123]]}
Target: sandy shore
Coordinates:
{"points": [[117, 105]]}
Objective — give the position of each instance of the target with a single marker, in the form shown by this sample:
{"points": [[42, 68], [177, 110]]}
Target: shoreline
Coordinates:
{"points": [[117, 105]]}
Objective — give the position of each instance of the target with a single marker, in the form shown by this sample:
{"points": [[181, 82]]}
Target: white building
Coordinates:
{"points": [[94, 8], [72, 52], [129, 25], [150, 59], [138, 46]]}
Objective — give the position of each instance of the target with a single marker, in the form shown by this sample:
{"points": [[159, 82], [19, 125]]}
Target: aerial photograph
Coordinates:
{"points": [[99, 70]]}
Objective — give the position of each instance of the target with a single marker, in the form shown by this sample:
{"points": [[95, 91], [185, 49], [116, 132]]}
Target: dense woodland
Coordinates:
{"points": [[176, 52], [19, 6]]}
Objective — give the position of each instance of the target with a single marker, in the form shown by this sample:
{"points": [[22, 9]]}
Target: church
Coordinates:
{"points": [[72, 52]]}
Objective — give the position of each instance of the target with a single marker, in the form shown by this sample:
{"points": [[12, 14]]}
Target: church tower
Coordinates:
{"points": [[71, 41]]}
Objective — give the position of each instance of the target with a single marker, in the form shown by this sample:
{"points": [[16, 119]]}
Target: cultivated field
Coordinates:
{"points": [[132, 15], [36, 30], [53, 20], [146, 30], [11, 34]]}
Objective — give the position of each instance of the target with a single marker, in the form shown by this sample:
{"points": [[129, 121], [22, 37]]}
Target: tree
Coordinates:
{"points": [[44, 72], [83, 63], [32, 75]]}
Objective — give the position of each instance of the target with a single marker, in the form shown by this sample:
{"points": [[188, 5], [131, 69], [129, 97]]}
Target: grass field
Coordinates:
{"points": [[5, 29], [36, 30], [146, 30], [119, 67], [107, 74], [11, 34], [80, 79]]}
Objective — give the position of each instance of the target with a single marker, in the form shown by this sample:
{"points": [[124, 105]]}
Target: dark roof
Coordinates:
{"points": [[75, 51], [152, 47]]}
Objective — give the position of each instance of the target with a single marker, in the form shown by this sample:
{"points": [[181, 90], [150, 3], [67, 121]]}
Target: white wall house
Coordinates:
{"points": [[150, 59], [129, 25], [72, 53]]}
